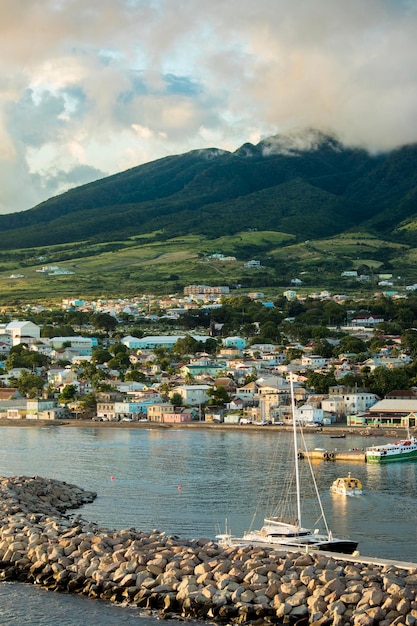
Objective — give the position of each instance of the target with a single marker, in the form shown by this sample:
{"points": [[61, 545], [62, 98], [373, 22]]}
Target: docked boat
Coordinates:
{"points": [[347, 486], [288, 531], [403, 450]]}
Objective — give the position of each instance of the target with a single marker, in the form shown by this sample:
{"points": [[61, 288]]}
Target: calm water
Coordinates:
{"points": [[189, 483]]}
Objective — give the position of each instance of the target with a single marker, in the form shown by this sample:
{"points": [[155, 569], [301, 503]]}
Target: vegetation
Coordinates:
{"points": [[288, 325], [309, 215]]}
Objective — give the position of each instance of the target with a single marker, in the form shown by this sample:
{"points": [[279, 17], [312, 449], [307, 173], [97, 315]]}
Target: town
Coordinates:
{"points": [[215, 358]]}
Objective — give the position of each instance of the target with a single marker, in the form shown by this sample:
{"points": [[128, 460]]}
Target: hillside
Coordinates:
{"points": [[315, 192], [312, 212]]}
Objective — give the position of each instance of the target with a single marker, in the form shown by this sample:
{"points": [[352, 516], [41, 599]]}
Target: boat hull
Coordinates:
{"points": [[389, 457], [404, 450], [338, 546], [347, 492], [341, 546]]}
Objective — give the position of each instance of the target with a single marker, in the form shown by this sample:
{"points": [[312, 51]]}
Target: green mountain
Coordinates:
{"points": [[310, 193], [305, 208]]}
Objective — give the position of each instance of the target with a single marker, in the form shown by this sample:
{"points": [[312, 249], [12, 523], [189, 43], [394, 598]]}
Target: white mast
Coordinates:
{"points": [[297, 472]]}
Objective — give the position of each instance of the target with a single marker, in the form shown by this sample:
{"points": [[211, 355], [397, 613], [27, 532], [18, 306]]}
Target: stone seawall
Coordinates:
{"points": [[42, 544]]}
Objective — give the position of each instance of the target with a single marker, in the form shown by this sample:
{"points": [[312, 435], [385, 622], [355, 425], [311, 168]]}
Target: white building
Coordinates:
{"points": [[308, 414], [82, 345], [354, 401], [192, 395], [23, 332], [312, 361]]}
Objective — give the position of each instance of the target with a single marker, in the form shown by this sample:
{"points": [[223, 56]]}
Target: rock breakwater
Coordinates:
{"points": [[41, 543]]}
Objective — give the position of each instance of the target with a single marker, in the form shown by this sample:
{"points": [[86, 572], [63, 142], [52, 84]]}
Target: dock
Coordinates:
{"points": [[355, 456]]}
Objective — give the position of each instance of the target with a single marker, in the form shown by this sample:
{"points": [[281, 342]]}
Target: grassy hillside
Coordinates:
{"points": [[310, 213], [146, 265]]}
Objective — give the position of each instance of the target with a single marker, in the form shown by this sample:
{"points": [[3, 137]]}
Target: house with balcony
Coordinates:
{"points": [[392, 412], [134, 410], [313, 361], [354, 400], [156, 411]]}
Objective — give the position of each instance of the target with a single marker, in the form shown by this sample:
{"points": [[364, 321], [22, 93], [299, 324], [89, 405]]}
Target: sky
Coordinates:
{"points": [[89, 88]]}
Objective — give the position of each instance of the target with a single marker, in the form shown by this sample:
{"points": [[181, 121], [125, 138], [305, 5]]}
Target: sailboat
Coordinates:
{"points": [[290, 534]]}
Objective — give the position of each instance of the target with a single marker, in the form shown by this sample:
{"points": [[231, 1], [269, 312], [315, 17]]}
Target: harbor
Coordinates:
{"points": [[189, 579], [219, 472]]}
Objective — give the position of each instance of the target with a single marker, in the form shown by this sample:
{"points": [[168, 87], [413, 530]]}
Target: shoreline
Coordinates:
{"points": [[389, 432]]}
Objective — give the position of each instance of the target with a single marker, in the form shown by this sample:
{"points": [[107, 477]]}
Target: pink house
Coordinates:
{"points": [[177, 416]]}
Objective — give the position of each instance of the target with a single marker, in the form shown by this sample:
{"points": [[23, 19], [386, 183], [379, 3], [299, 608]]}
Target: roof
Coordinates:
{"points": [[18, 324], [391, 405], [7, 393], [402, 393]]}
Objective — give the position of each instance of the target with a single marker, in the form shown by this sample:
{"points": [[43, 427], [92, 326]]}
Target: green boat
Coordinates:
{"points": [[403, 450]]}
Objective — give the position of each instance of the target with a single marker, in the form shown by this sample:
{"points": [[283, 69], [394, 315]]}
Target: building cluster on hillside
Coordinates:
{"points": [[253, 377]]}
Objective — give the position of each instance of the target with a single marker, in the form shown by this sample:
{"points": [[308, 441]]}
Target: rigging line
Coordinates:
{"points": [[323, 516]]}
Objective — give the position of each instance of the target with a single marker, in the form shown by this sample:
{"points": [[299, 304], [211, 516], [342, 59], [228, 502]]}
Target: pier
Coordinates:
{"points": [[355, 456]]}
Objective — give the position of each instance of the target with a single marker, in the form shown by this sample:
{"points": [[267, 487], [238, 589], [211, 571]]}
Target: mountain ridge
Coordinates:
{"points": [[307, 186]]}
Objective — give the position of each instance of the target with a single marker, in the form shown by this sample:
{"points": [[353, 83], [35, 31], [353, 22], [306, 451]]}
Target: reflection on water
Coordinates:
{"points": [[222, 475]]}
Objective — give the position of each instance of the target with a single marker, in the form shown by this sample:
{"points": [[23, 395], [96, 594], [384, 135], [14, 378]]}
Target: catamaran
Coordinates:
{"points": [[290, 533]]}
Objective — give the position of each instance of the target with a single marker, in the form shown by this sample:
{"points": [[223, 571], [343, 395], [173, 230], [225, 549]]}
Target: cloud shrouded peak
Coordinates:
{"points": [[89, 89]]}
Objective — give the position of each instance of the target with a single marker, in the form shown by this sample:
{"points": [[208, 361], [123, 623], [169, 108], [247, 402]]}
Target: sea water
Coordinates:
{"points": [[193, 483]]}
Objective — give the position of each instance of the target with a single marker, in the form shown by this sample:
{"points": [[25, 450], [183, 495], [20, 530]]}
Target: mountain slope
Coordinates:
{"points": [[317, 190]]}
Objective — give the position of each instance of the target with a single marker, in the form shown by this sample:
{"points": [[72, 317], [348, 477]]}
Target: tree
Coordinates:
{"points": [[211, 346], [29, 384], [92, 373], [323, 348], [118, 348], [249, 378], [176, 399], [350, 344], [120, 361], [136, 376], [21, 356], [218, 396], [383, 380], [351, 380], [293, 353], [409, 342], [269, 333], [100, 355], [68, 394], [104, 321], [186, 345], [88, 405], [321, 382]]}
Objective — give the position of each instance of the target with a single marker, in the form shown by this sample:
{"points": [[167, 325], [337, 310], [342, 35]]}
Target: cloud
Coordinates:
{"points": [[89, 89]]}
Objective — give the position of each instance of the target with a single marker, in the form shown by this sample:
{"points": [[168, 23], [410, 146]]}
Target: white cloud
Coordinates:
{"points": [[110, 84]]}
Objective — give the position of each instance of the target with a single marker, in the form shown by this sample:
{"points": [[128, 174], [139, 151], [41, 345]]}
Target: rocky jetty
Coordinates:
{"points": [[41, 543]]}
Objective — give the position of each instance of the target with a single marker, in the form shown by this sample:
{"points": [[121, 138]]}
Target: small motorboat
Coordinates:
{"points": [[347, 486]]}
